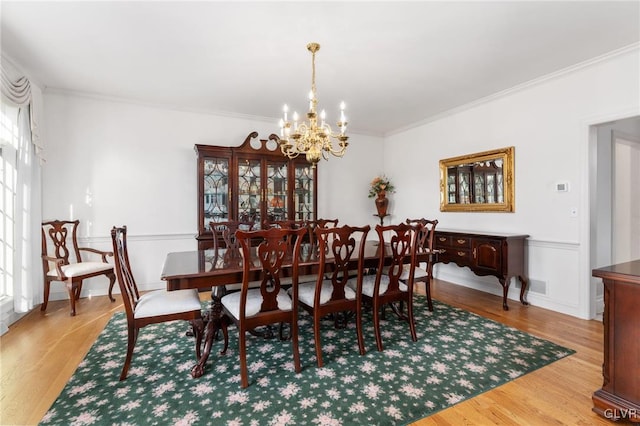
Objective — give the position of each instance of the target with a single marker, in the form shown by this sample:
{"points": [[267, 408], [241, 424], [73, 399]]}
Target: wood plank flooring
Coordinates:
{"points": [[42, 350]]}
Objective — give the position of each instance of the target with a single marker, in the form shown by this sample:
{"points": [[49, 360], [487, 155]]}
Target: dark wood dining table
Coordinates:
{"points": [[204, 269]]}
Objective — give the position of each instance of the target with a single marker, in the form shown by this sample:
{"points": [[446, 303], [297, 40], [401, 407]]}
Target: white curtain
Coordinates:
{"points": [[27, 278]]}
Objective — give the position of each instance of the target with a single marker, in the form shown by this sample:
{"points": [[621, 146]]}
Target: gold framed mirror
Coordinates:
{"points": [[481, 182]]}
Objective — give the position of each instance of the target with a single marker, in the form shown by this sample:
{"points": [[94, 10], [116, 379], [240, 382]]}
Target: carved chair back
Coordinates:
{"points": [[426, 235], [225, 231], [59, 240], [126, 281], [402, 243], [272, 247], [344, 245]]}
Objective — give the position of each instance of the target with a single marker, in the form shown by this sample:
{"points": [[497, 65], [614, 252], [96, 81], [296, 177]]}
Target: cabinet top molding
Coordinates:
{"points": [[266, 146]]}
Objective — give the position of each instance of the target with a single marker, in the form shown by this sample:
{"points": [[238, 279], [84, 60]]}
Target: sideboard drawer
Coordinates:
{"points": [[459, 256], [460, 242], [442, 241]]}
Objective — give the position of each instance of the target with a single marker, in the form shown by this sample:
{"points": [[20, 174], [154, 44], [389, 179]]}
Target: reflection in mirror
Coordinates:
{"points": [[478, 182]]}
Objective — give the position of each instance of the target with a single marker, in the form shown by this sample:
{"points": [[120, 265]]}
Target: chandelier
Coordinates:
{"points": [[314, 140]]}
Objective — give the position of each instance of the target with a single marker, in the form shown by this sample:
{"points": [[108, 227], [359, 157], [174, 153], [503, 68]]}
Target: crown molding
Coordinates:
{"points": [[520, 87]]}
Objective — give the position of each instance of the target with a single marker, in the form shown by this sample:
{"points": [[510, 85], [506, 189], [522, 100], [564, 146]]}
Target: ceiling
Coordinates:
{"points": [[394, 64]]}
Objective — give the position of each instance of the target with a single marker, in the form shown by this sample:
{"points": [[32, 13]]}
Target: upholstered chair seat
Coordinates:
{"points": [[417, 273], [161, 302], [307, 291], [84, 268], [369, 284], [231, 302]]}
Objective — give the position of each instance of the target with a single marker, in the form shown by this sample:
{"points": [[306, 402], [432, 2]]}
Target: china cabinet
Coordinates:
{"points": [[253, 183]]}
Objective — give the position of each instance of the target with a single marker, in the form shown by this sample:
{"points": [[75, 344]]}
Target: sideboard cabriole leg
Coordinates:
{"points": [[505, 290], [523, 289]]}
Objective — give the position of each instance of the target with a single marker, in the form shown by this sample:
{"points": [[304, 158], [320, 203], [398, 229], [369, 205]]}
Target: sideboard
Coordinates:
{"points": [[619, 397], [497, 254]]}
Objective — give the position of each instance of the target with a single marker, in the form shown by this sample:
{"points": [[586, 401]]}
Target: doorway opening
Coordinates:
{"points": [[614, 199]]}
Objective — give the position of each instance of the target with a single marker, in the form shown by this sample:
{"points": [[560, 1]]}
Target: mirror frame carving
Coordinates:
{"points": [[507, 155]]}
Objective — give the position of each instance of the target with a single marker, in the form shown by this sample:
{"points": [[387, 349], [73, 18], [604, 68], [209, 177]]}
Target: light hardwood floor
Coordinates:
{"points": [[42, 350]]}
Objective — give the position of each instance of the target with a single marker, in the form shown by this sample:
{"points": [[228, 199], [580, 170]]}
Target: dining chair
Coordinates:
{"points": [[59, 239], [319, 223], [424, 246], [218, 230], [385, 287], [224, 240], [152, 307], [326, 223], [330, 293], [285, 224], [266, 250]]}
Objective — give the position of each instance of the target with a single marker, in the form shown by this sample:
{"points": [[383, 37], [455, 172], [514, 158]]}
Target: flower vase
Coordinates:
{"points": [[382, 202]]}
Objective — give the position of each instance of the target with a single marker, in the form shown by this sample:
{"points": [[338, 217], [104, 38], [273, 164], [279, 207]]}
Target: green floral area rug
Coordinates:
{"points": [[458, 355]]}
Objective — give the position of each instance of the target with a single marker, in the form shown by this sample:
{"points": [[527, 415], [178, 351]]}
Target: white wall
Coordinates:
{"points": [[117, 163], [548, 123], [96, 146]]}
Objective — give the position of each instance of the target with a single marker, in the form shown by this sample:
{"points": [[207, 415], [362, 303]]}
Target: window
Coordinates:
{"points": [[8, 179]]}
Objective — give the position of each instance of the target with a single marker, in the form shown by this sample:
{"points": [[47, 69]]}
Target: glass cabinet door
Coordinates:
{"points": [[464, 186], [251, 183], [216, 190], [452, 185], [249, 192], [303, 196], [277, 189]]}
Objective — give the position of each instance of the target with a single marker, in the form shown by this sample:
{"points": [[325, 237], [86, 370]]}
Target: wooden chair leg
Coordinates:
{"points": [[72, 298], [316, 335], [47, 287], [132, 336], [224, 324], [242, 341], [376, 325], [412, 324], [294, 345], [78, 290], [112, 281], [427, 289], [359, 331]]}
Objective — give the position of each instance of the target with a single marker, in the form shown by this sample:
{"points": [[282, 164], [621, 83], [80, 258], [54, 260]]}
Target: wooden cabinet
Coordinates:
{"points": [[619, 397], [253, 182], [497, 254]]}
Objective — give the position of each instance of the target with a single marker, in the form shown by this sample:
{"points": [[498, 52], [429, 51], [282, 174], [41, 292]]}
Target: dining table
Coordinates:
{"points": [[217, 267]]}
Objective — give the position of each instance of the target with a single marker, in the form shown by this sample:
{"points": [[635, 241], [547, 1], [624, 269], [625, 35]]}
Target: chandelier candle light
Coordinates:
{"points": [[311, 139]]}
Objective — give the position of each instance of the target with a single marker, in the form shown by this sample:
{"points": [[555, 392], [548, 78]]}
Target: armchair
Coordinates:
{"points": [[59, 239]]}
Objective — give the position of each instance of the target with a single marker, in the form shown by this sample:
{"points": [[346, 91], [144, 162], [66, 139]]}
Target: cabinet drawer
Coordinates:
{"points": [[442, 241], [460, 242], [455, 255]]}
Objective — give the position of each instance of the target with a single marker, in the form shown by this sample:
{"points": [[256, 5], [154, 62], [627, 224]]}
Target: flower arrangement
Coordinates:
{"points": [[379, 184]]}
